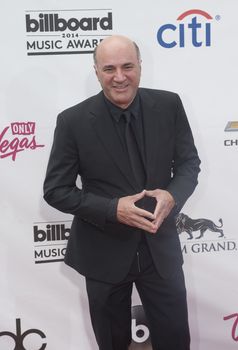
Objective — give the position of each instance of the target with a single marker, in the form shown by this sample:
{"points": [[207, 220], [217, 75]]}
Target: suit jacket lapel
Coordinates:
{"points": [[151, 132], [105, 130]]}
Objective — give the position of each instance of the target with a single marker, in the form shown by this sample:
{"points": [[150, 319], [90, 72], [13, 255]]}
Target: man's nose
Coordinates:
{"points": [[119, 75]]}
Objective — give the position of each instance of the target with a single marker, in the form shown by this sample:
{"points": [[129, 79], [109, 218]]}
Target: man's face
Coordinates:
{"points": [[118, 70]]}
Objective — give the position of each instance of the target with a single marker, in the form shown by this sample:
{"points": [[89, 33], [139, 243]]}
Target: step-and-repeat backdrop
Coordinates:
{"points": [[189, 47]]}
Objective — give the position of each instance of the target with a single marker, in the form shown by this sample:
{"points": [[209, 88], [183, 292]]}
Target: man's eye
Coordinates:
{"points": [[129, 67], [108, 69]]}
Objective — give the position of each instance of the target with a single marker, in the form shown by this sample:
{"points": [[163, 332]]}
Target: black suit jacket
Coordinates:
{"points": [[87, 145]]}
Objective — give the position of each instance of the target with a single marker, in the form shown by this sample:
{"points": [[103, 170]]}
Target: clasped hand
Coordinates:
{"points": [[128, 213]]}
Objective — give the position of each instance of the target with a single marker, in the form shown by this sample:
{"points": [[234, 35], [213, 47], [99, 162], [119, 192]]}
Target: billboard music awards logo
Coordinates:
{"points": [[231, 126], [61, 32], [203, 235], [20, 338], [16, 138], [193, 28], [50, 240]]}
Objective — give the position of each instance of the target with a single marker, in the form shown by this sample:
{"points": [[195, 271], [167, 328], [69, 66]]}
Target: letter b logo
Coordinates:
{"points": [[139, 328], [140, 333]]}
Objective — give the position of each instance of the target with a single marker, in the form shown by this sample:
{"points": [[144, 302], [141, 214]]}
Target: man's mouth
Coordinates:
{"points": [[120, 87]]}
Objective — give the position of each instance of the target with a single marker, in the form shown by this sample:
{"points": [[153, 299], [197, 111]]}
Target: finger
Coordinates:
{"points": [[145, 225], [143, 213], [138, 196], [157, 212], [158, 222], [158, 209], [150, 193]]}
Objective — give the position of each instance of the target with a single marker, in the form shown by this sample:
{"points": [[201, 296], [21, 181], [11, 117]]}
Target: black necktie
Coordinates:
{"points": [[133, 151]]}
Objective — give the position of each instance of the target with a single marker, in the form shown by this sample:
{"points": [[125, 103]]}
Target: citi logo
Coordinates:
{"points": [[194, 28]]}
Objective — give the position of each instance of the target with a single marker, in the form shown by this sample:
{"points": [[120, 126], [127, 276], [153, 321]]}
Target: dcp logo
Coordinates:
{"points": [[139, 328], [19, 336], [194, 27]]}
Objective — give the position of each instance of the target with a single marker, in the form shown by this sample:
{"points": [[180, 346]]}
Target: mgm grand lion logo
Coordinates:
{"points": [[185, 224]]}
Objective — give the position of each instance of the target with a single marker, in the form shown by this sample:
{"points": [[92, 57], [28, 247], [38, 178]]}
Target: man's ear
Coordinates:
{"points": [[95, 69]]}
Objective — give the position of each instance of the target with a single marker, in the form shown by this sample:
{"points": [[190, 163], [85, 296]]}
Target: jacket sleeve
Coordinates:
{"points": [[186, 163], [60, 186]]}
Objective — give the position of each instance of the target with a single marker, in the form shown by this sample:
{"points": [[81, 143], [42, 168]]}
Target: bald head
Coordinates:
{"points": [[115, 41], [118, 69]]}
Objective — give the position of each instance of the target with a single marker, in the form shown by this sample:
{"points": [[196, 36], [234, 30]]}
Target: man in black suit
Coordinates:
{"points": [[135, 154]]}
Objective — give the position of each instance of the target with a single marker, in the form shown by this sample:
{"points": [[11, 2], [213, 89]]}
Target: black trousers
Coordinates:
{"points": [[164, 303]]}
